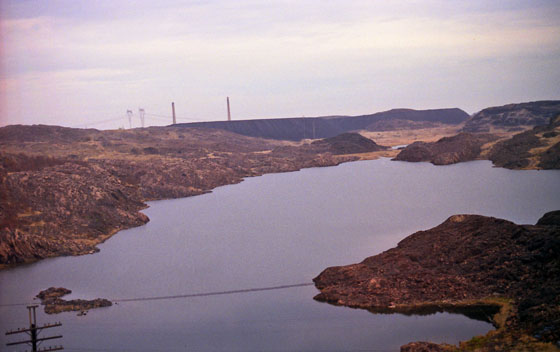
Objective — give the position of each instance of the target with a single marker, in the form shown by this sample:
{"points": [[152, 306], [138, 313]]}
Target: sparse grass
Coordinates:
{"points": [[371, 155], [28, 213], [400, 137], [502, 339]]}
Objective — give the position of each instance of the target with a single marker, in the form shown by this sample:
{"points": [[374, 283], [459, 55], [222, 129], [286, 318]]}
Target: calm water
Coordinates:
{"points": [[267, 231]]}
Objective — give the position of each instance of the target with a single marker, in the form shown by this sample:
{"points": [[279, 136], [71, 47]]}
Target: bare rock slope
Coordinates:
{"points": [[64, 190], [448, 150], [456, 266], [537, 148], [513, 116]]}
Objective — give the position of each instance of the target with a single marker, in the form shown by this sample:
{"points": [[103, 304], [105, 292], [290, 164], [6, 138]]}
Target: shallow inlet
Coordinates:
{"points": [[267, 231]]}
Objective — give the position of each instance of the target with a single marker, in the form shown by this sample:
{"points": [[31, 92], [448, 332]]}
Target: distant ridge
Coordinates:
{"points": [[513, 116], [299, 128]]}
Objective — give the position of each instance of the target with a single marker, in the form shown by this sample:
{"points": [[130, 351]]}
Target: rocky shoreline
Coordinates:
{"points": [[448, 150], [64, 190], [537, 148], [468, 263]]}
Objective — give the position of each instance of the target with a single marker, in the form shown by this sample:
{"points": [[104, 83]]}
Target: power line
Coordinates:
{"points": [[169, 117], [215, 293], [191, 295], [99, 122], [160, 117]]}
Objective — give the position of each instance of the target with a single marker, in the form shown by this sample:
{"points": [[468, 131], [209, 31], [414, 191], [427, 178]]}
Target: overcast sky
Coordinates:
{"points": [[79, 63]]}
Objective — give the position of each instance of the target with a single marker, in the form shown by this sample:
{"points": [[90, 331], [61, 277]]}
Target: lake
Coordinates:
{"points": [[277, 229]]}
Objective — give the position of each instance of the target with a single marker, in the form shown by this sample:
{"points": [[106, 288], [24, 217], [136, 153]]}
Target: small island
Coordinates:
{"points": [[54, 304]]}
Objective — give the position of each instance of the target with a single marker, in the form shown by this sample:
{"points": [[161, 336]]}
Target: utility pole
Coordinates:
{"points": [[173, 110], [228, 111], [141, 112], [33, 331], [129, 114]]}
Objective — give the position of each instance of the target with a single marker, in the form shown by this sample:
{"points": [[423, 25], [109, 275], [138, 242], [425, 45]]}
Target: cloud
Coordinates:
{"points": [[273, 52]]}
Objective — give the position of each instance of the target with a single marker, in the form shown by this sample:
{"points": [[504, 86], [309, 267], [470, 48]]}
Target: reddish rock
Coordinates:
{"points": [[64, 190], [50, 298], [448, 150], [426, 347], [466, 258], [347, 143]]}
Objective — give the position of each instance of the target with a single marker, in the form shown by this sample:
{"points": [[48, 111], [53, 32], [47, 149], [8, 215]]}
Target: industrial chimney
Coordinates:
{"points": [[228, 111]]}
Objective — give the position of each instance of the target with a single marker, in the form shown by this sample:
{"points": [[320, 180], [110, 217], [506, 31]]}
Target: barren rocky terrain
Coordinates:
{"points": [[448, 150], [63, 190], [481, 266], [537, 148], [513, 117]]}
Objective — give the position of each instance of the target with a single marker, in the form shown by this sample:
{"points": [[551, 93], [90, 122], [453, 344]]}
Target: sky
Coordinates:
{"points": [[85, 63]]}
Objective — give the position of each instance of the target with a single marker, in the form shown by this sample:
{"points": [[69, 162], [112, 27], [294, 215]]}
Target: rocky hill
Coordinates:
{"points": [[448, 150], [469, 263], [296, 129], [63, 190], [347, 143], [537, 148], [513, 117]]}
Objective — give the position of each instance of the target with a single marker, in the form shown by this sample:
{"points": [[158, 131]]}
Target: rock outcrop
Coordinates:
{"points": [[448, 150], [459, 264], [54, 304], [347, 143], [513, 116], [538, 148], [426, 347], [64, 190]]}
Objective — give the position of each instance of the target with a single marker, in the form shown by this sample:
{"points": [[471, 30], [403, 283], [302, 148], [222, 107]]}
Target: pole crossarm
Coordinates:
{"points": [[46, 326], [33, 332], [38, 339]]}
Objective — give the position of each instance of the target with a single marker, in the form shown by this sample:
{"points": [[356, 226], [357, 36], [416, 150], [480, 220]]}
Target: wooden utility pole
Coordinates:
{"points": [[33, 332], [173, 110], [228, 111]]}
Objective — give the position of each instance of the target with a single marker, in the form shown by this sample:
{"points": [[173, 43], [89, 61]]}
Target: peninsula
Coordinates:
{"points": [[484, 267]]}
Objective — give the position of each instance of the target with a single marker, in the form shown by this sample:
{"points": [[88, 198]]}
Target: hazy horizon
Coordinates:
{"points": [[82, 64]]}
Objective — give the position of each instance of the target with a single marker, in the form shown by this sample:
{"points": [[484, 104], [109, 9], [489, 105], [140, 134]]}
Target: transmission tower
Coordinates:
{"points": [[129, 114], [141, 112], [33, 332]]}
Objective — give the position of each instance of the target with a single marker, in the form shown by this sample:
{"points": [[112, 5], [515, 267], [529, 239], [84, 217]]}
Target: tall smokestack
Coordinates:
{"points": [[173, 110], [228, 111]]}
